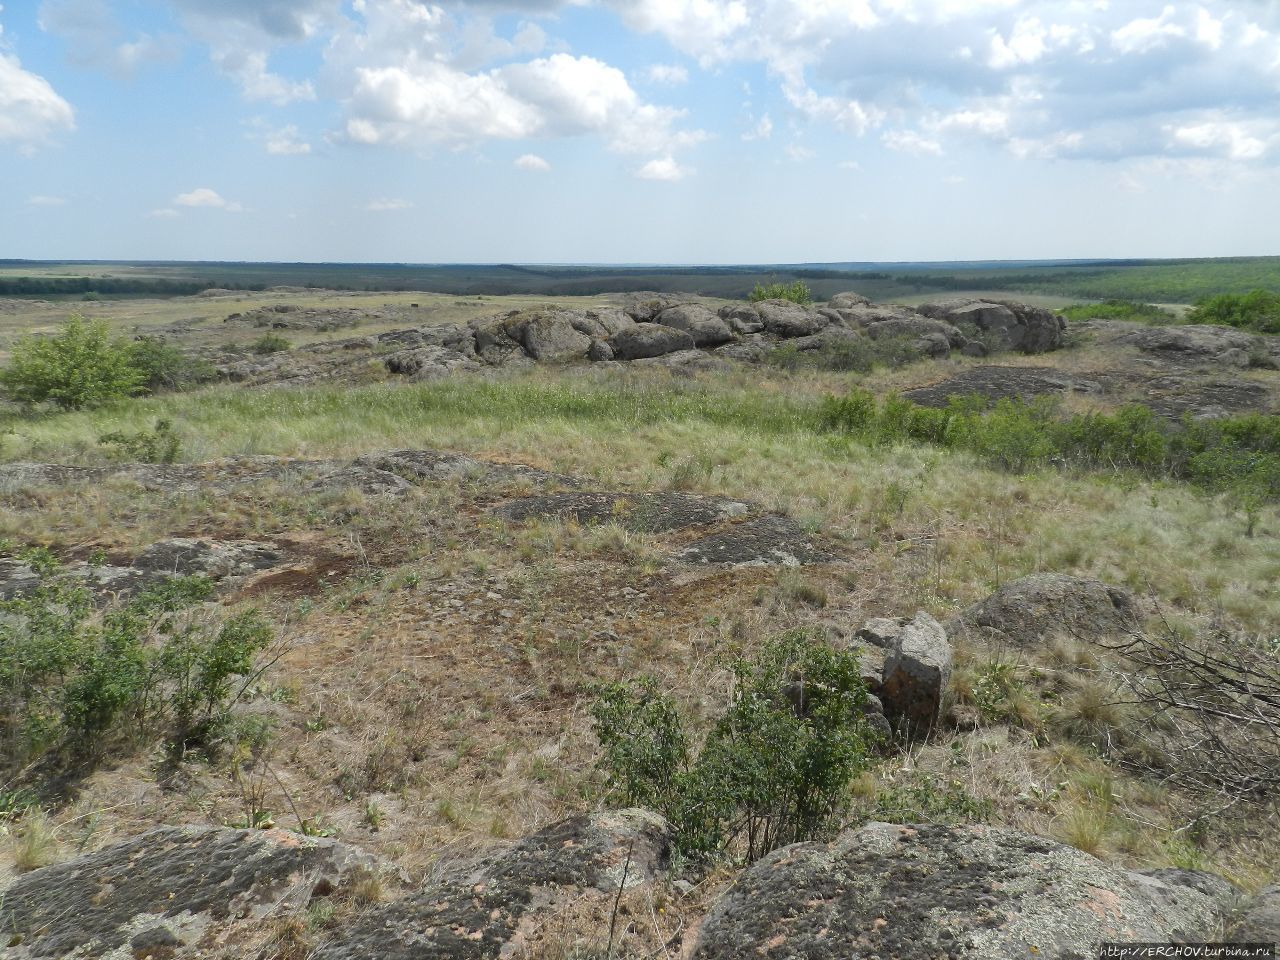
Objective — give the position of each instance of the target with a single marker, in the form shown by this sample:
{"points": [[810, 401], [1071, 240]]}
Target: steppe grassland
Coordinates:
{"points": [[507, 741]]}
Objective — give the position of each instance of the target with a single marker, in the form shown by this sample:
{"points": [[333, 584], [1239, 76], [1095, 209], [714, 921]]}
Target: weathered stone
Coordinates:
{"points": [[847, 299], [785, 319], [599, 351], [916, 327], [611, 321], [649, 340], [881, 632], [651, 512], [1203, 344], [763, 541], [917, 669], [705, 327], [481, 916], [1042, 605], [187, 556], [1259, 920], [551, 337], [644, 307], [930, 891], [16, 579], [832, 336], [742, 318], [169, 887], [1017, 326]]}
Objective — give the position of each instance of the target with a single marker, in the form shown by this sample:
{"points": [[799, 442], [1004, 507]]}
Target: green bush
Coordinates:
{"points": [[165, 367], [269, 343], [775, 767], [81, 366], [160, 445], [796, 291], [1258, 310], [1118, 310], [76, 684]]}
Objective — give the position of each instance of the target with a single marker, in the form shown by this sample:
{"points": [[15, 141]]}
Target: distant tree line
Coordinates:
{"points": [[109, 286]]}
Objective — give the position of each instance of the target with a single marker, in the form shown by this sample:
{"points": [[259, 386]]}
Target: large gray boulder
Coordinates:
{"points": [[1016, 326], [916, 327], [707, 329], [498, 339], [610, 321], [782, 318], [648, 340], [1044, 605], [917, 669], [930, 891], [483, 915], [644, 306], [171, 888], [742, 318], [551, 336], [847, 299]]}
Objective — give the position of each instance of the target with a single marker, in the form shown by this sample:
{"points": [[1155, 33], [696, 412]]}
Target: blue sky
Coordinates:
{"points": [[672, 131]]}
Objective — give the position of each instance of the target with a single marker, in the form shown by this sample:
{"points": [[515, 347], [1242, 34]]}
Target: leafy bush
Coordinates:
{"points": [[928, 800], [81, 366], [160, 445], [775, 767], [165, 367], [77, 684], [1118, 310], [269, 343], [1258, 310], [796, 291]]}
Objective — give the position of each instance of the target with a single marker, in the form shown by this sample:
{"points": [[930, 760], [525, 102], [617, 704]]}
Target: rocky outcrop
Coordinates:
{"points": [[649, 340], [1043, 605], [486, 914], [649, 512], [924, 892], [847, 299], [707, 329], [553, 337], [787, 320], [170, 888], [1018, 326], [1204, 344], [917, 669], [762, 541]]}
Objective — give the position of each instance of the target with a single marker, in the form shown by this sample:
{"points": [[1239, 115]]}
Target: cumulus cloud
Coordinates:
{"points": [[533, 163], [95, 38], [908, 141], [206, 197], [408, 85], [31, 111], [663, 168]]}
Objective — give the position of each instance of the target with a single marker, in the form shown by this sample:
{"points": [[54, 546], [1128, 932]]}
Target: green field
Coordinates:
{"points": [[1162, 281]]}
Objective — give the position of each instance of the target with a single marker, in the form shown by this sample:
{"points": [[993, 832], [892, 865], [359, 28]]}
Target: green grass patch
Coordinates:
{"points": [[1118, 310]]}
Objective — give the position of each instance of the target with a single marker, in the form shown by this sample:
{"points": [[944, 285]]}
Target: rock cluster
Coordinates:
{"points": [[1045, 605]]}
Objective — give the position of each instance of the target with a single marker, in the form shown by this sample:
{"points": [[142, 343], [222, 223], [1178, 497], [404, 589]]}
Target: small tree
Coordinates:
{"points": [[81, 366]]}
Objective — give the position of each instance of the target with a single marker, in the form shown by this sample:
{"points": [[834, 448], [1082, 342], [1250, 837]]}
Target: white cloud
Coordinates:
{"points": [[286, 142], [163, 213], [41, 200], [31, 112], [667, 74], [1223, 138], [663, 168], [798, 153], [908, 141], [249, 69], [1148, 33], [762, 130], [387, 204], [533, 163], [850, 165], [205, 197]]}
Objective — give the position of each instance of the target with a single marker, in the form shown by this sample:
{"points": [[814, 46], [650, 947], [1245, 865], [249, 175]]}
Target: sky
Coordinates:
{"points": [[638, 131]]}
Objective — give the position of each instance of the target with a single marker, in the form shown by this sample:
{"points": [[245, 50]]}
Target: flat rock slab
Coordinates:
{"points": [[485, 915], [161, 893], [422, 466], [998, 383], [648, 512], [929, 892], [762, 541], [1031, 609]]}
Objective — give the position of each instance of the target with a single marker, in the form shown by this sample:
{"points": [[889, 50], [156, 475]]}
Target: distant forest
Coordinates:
{"points": [[1168, 281]]}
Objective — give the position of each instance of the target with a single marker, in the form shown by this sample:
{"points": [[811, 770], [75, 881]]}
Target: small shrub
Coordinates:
{"points": [[928, 800], [1258, 310], [1119, 310], [159, 445], [860, 355], [796, 291], [269, 343], [165, 367], [81, 366], [775, 767], [34, 843]]}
